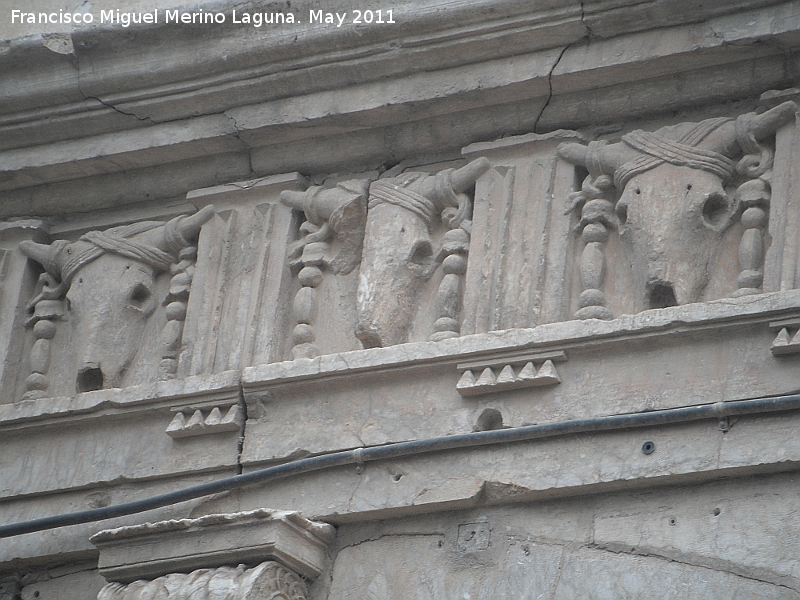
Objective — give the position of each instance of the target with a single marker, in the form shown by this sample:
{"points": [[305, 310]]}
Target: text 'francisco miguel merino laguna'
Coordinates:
{"points": [[203, 17]]}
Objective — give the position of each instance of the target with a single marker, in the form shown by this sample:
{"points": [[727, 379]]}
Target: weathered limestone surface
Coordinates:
{"points": [[76, 586], [409, 391], [227, 247], [575, 548]]}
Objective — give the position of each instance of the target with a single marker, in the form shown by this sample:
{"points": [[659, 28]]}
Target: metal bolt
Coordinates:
{"points": [[648, 447]]}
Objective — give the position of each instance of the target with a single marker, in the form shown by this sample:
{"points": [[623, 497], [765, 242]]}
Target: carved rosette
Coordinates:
{"points": [[339, 213], [268, 581]]}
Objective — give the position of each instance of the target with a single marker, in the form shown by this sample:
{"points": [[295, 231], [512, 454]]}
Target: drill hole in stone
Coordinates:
{"points": [[717, 512], [489, 420]]}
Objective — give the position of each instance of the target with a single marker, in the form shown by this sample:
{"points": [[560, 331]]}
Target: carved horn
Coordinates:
{"points": [[45, 254], [608, 157], [464, 177], [190, 226], [178, 232], [725, 139], [293, 199]]}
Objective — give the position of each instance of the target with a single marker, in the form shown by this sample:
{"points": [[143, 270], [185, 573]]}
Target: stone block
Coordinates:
{"points": [[154, 549]]}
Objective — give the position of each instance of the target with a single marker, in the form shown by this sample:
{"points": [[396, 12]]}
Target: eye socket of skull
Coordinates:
{"points": [[421, 258], [421, 253], [716, 210], [139, 295], [622, 212]]}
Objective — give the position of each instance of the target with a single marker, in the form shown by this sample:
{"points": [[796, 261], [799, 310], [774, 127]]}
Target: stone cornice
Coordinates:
{"points": [[153, 549], [499, 345], [116, 105]]}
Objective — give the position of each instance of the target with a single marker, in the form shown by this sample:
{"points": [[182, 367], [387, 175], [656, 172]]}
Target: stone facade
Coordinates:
{"points": [[512, 276]]}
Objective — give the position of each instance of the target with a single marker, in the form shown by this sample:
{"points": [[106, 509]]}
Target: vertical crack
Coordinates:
{"points": [[245, 144], [240, 448], [550, 87]]}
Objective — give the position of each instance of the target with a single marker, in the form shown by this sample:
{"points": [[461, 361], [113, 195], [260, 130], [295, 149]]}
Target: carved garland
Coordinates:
{"points": [[268, 581]]}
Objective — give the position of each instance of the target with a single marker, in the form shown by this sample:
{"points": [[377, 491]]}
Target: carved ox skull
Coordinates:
{"points": [[398, 255], [109, 280], [673, 208]]}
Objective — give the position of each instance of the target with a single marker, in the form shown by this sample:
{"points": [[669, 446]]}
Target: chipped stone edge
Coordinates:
{"points": [[562, 335], [323, 531], [514, 142]]}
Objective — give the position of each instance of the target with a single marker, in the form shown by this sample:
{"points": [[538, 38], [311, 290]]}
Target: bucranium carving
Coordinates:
{"points": [[398, 252], [108, 279], [673, 207]]}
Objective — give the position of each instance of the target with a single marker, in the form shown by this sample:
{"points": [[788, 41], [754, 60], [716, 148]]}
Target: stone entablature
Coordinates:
{"points": [[250, 276], [283, 269]]}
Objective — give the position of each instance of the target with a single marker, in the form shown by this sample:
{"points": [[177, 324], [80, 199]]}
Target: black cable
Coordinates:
{"points": [[717, 410]]}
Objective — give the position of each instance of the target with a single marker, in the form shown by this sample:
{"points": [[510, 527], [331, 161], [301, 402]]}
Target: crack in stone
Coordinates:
{"points": [[239, 137], [589, 32], [111, 106], [438, 534], [557, 579], [697, 565], [550, 87]]}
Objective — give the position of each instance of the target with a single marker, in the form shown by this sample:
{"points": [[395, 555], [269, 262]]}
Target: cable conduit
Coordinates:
{"points": [[360, 456]]}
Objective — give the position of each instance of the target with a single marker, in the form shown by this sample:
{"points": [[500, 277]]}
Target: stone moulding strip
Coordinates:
{"points": [[208, 391], [500, 347], [393, 451], [785, 343], [154, 549], [501, 376]]}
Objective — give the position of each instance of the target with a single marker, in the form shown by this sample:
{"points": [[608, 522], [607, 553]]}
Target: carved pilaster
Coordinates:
{"points": [[19, 280], [236, 315]]}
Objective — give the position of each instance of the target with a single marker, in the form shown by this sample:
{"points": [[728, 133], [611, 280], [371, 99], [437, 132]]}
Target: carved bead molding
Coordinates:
{"points": [[524, 371], [332, 214], [754, 199], [267, 581], [193, 559]]}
